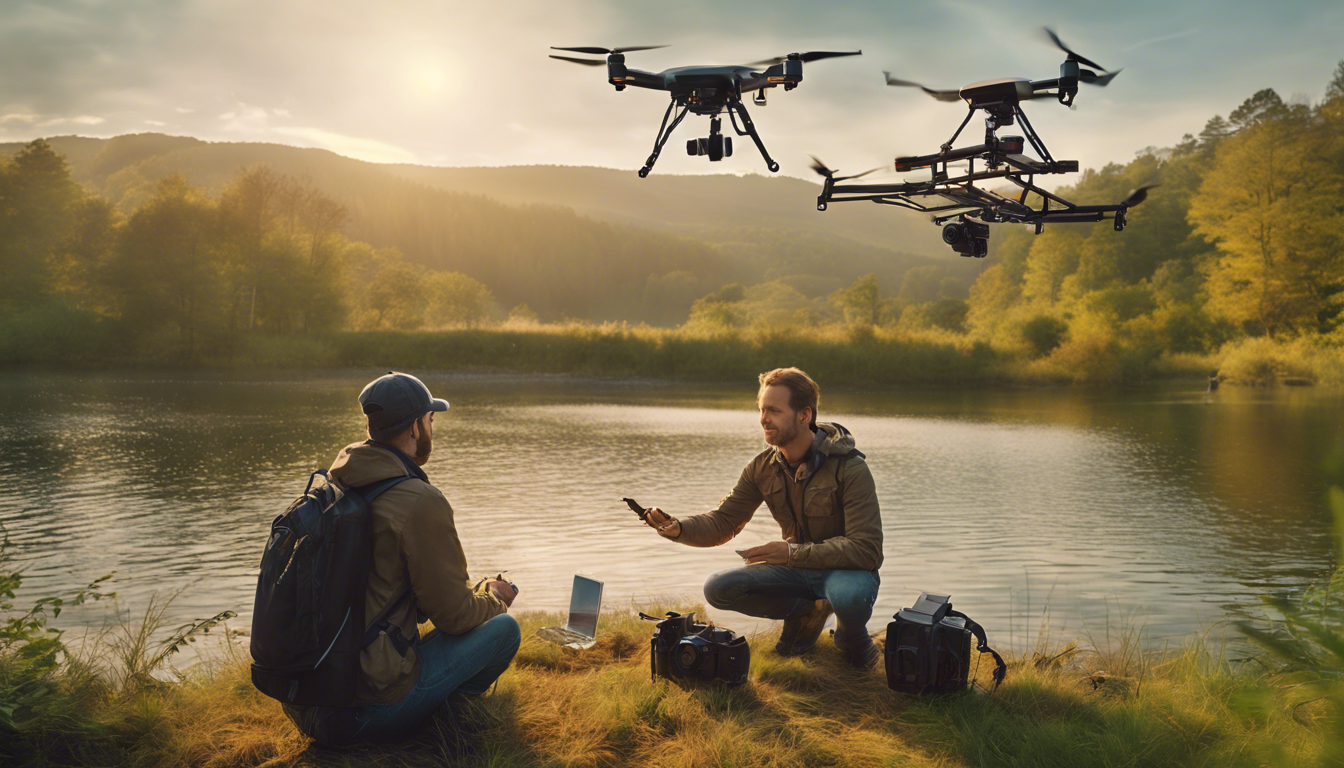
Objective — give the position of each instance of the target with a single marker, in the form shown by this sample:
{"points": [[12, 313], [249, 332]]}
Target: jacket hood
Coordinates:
{"points": [[832, 439], [829, 440], [368, 462]]}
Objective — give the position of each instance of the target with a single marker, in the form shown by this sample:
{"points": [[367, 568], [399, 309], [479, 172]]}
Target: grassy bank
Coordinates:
{"points": [[1064, 705], [861, 356]]}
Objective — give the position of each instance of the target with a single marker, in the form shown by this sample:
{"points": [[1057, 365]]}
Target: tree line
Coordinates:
{"points": [[191, 273]]}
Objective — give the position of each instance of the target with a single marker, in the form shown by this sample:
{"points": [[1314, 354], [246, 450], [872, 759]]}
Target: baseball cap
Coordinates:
{"points": [[393, 401]]}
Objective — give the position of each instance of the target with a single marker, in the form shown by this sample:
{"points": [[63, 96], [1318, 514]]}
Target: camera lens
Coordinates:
{"points": [[953, 234], [690, 652]]}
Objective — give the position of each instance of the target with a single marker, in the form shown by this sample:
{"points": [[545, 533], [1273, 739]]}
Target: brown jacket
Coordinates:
{"points": [[415, 550], [827, 506]]}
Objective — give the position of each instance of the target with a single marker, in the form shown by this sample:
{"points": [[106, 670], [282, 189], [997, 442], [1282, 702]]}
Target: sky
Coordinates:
{"points": [[456, 83]]}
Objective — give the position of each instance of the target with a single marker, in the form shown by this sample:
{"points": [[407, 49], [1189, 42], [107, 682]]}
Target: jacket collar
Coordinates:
{"points": [[412, 468]]}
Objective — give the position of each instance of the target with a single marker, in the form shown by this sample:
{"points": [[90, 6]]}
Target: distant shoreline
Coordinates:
{"points": [[859, 357]]}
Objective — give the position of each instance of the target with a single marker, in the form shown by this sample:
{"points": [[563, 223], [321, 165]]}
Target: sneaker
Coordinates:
{"points": [[801, 631], [860, 652]]}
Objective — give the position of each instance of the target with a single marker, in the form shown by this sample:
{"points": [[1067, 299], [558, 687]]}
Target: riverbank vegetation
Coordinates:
{"points": [[115, 699], [1234, 264]]}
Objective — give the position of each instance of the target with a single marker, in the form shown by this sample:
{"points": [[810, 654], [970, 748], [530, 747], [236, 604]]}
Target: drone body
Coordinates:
{"points": [[708, 91], [948, 196]]}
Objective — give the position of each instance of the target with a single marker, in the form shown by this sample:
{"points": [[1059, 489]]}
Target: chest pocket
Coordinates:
{"points": [[821, 512]]}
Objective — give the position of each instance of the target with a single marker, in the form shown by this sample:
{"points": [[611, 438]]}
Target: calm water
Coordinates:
{"points": [[1174, 506]]}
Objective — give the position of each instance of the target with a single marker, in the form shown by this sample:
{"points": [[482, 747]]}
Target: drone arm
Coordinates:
{"points": [[641, 79]]}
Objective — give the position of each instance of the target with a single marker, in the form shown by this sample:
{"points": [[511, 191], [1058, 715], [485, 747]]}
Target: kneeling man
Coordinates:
{"points": [[818, 488]]}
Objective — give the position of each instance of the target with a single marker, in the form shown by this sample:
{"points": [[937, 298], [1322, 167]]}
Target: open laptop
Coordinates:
{"points": [[585, 603]]}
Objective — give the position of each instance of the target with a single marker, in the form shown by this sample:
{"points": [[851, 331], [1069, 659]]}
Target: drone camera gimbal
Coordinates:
{"points": [[967, 237]]}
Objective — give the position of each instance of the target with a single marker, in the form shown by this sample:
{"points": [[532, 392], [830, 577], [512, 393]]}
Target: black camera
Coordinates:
{"points": [[967, 237], [717, 147], [685, 649]]}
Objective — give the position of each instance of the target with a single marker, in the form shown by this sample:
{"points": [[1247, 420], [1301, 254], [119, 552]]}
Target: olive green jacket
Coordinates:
{"points": [[415, 551], [827, 506]]}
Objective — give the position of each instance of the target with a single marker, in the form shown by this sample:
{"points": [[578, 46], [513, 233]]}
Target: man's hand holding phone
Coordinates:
{"points": [[665, 524]]}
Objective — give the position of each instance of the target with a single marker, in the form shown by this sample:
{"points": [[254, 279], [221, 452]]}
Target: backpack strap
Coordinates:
{"points": [[983, 646], [380, 624]]}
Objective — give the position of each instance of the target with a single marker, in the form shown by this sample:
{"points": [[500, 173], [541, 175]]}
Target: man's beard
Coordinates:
{"points": [[424, 444], [782, 435]]}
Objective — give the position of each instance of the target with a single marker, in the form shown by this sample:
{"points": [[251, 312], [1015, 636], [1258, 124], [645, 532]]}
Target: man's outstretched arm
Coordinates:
{"points": [[716, 526]]}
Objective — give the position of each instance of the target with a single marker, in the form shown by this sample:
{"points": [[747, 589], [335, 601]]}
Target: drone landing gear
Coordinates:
{"points": [[741, 109], [664, 131], [716, 145]]}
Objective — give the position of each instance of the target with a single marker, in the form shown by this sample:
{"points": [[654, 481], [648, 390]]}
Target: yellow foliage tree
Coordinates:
{"points": [[1270, 205]]}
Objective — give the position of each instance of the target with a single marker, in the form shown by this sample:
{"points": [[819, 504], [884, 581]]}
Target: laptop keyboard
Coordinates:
{"points": [[562, 635]]}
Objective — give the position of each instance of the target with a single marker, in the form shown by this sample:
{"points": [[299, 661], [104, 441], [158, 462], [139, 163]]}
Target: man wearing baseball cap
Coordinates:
{"points": [[418, 571]]}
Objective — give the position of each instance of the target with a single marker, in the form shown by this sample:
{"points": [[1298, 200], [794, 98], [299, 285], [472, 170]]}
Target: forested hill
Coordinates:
{"points": [[718, 206], [579, 242]]}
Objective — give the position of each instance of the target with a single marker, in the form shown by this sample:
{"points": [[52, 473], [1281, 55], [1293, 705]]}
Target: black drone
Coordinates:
{"points": [[709, 91], [950, 197]]}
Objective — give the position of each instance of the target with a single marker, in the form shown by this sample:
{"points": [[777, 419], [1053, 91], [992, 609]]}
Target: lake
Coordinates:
{"points": [[1166, 508]]}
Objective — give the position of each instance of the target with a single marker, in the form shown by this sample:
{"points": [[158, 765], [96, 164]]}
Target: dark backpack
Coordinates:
{"points": [[928, 648], [308, 618]]}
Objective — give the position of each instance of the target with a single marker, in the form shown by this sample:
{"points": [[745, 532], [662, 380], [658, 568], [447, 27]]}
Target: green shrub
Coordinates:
{"points": [[1044, 333], [30, 650]]}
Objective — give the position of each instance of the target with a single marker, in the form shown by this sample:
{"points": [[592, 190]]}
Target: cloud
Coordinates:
{"points": [[156, 123], [27, 118], [245, 118]]}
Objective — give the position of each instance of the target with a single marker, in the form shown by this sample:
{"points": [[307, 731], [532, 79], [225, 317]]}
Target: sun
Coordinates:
{"points": [[427, 78]]}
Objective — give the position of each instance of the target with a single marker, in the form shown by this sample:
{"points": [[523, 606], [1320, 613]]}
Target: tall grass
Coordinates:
{"points": [[1068, 704], [860, 355]]}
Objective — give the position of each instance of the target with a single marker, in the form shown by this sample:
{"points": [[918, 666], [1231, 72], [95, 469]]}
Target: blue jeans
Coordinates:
{"points": [[777, 592], [468, 663]]}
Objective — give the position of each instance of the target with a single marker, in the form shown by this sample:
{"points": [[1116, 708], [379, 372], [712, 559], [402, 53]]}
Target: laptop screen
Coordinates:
{"points": [[584, 604]]}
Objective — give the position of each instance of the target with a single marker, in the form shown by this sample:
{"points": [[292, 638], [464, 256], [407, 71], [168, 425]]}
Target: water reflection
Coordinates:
{"points": [[1176, 504]]}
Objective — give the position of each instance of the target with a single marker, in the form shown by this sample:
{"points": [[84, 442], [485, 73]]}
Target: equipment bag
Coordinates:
{"points": [[928, 648], [308, 618]]}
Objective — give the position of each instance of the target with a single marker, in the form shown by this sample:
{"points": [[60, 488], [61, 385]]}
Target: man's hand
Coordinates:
{"points": [[502, 589], [665, 524], [774, 553]]}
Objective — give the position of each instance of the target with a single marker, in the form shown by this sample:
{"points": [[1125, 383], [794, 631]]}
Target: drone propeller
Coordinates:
{"points": [[607, 51], [939, 95], [804, 57], [821, 169], [1088, 76], [1137, 196], [1073, 55], [584, 62]]}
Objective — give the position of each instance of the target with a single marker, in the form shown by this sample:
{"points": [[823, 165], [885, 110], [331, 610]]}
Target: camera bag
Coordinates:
{"points": [[928, 648]]}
